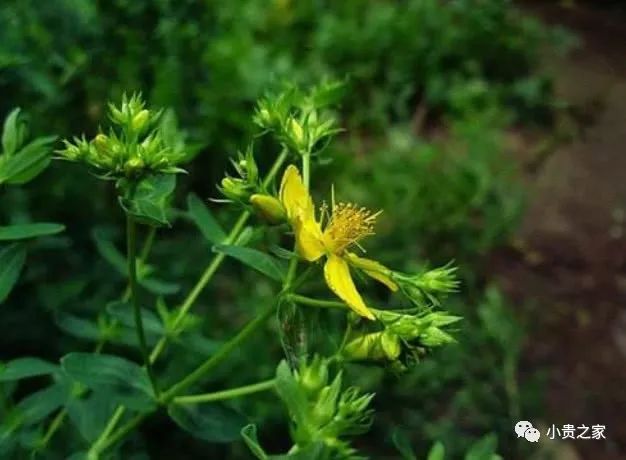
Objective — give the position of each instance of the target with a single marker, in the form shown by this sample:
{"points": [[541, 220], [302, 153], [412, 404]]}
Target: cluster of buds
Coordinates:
{"points": [[405, 337], [133, 147], [245, 183], [428, 287], [297, 119], [321, 411], [245, 187]]}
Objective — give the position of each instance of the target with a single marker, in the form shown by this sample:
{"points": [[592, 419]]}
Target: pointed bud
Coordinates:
{"points": [[268, 207], [235, 189], [140, 121]]}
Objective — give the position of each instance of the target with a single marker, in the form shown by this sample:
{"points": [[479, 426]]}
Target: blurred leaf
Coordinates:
{"points": [[91, 413], [13, 133], [148, 203], [21, 368], [204, 220], [27, 163], [109, 252], [211, 422], [12, 260], [23, 231], [484, 449], [78, 327], [264, 263], [127, 382], [158, 286], [403, 444], [37, 406], [437, 452], [113, 256], [123, 312]]}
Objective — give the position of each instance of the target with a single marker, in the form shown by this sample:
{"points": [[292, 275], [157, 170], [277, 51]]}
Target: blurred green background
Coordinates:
{"points": [[470, 122]]}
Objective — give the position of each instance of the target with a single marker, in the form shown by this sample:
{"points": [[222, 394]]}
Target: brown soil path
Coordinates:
{"points": [[571, 273]]}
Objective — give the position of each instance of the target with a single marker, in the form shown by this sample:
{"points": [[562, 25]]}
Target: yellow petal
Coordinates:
{"points": [[308, 239], [295, 197], [339, 280], [374, 269]]}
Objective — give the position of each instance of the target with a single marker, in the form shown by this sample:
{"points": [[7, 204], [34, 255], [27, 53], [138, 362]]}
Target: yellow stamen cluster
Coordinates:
{"points": [[347, 225]]}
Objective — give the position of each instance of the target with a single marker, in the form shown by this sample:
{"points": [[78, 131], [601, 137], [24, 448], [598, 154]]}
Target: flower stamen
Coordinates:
{"points": [[347, 225]]}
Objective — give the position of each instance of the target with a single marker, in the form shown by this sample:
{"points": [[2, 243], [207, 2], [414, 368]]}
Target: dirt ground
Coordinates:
{"points": [[567, 269]]}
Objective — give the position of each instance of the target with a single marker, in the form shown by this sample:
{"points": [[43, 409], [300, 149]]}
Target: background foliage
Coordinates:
{"points": [[430, 88]]}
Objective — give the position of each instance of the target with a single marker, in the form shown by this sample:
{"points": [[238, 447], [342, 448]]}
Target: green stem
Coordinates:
{"points": [[215, 263], [131, 248], [99, 444], [306, 169], [226, 394], [122, 432], [52, 429], [219, 356], [57, 422], [315, 302], [188, 303]]}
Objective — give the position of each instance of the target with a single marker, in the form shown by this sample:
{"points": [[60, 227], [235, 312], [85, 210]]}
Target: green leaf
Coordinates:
{"points": [[91, 414], [484, 449], [27, 163], [123, 312], [204, 220], [78, 327], [248, 433], [113, 256], [211, 422], [13, 133], [12, 260], [37, 406], [22, 368], [149, 201], [158, 286], [403, 444], [20, 232], [109, 252], [291, 393], [437, 452], [127, 382], [258, 260]]}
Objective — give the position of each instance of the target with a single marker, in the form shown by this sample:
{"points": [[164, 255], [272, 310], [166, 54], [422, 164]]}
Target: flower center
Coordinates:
{"points": [[347, 225]]}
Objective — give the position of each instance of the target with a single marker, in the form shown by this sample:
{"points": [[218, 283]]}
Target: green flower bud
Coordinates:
{"points": [[296, 132], [314, 376], [101, 142], [235, 189], [367, 347], [268, 207], [140, 121], [134, 165], [390, 344]]}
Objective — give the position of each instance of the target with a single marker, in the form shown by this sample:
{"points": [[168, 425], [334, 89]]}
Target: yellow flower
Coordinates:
{"points": [[346, 224]]}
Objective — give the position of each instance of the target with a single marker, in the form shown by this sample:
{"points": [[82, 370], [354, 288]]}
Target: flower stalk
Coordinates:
{"points": [[131, 248], [226, 394]]}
